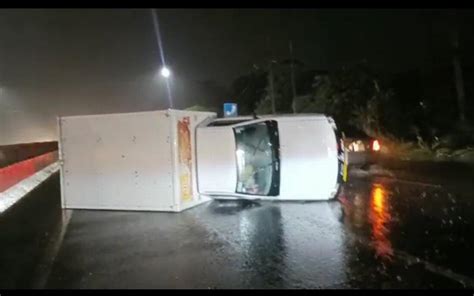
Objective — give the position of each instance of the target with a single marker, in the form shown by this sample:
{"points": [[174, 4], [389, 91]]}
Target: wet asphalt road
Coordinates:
{"points": [[380, 233]]}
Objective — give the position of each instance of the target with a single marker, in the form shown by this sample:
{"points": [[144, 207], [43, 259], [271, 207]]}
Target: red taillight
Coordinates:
{"points": [[375, 145]]}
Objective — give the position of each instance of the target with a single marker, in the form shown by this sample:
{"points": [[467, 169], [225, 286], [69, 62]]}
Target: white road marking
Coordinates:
{"points": [[402, 256], [409, 182]]}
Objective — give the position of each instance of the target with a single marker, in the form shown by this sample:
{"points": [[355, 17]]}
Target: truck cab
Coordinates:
{"points": [[282, 157]]}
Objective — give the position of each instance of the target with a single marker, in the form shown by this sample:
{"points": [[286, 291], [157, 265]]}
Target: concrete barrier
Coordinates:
{"points": [[11, 154], [15, 173]]}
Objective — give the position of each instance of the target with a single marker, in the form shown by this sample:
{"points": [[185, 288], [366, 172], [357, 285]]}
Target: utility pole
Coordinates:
{"points": [[272, 90], [293, 88], [270, 76], [458, 78]]}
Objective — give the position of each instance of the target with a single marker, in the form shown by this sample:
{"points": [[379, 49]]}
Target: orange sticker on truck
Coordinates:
{"points": [[185, 159]]}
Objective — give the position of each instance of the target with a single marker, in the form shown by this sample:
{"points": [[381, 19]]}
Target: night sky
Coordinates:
{"points": [[65, 62]]}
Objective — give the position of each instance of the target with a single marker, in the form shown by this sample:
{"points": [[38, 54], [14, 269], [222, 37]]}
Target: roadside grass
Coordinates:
{"points": [[414, 152]]}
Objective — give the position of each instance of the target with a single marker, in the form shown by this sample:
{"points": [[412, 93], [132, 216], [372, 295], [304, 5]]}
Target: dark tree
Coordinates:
{"points": [[248, 89]]}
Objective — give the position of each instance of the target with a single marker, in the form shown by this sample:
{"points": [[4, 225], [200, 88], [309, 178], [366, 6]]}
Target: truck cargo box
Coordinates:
{"points": [[130, 161]]}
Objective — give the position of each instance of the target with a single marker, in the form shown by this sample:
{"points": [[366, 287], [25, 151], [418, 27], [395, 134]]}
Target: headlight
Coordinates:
{"points": [[375, 145]]}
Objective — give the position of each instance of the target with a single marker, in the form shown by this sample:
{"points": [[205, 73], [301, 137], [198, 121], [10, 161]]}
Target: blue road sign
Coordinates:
{"points": [[230, 109]]}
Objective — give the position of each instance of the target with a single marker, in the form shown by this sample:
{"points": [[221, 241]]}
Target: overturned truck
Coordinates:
{"points": [[171, 160]]}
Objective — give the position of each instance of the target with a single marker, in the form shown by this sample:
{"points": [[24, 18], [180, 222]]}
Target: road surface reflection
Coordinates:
{"points": [[379, 216]]}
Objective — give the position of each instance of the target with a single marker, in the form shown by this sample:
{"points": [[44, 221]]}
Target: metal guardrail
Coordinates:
{"points": [[10, 154], [15, 173]]}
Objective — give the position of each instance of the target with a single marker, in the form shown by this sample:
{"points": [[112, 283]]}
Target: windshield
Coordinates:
{"points": [[257, 156]]}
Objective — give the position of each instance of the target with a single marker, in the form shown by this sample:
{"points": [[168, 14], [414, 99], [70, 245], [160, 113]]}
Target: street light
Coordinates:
{"points": [[165, 72]]}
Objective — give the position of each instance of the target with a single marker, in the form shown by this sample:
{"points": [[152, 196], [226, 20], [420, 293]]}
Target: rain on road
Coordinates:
{"points": [[380, 233]]}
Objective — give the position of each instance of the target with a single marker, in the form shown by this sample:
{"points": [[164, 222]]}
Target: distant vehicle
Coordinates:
{"points": [[361, 149], [284, 157]]}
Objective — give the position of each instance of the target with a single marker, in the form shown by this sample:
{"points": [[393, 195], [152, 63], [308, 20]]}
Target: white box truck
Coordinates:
{"points": [[130, 161], [172, 160]]}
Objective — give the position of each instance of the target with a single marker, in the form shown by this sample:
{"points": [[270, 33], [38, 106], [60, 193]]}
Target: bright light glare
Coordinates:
{"points": [[376, 145], [240, 159], [165, 72]]}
